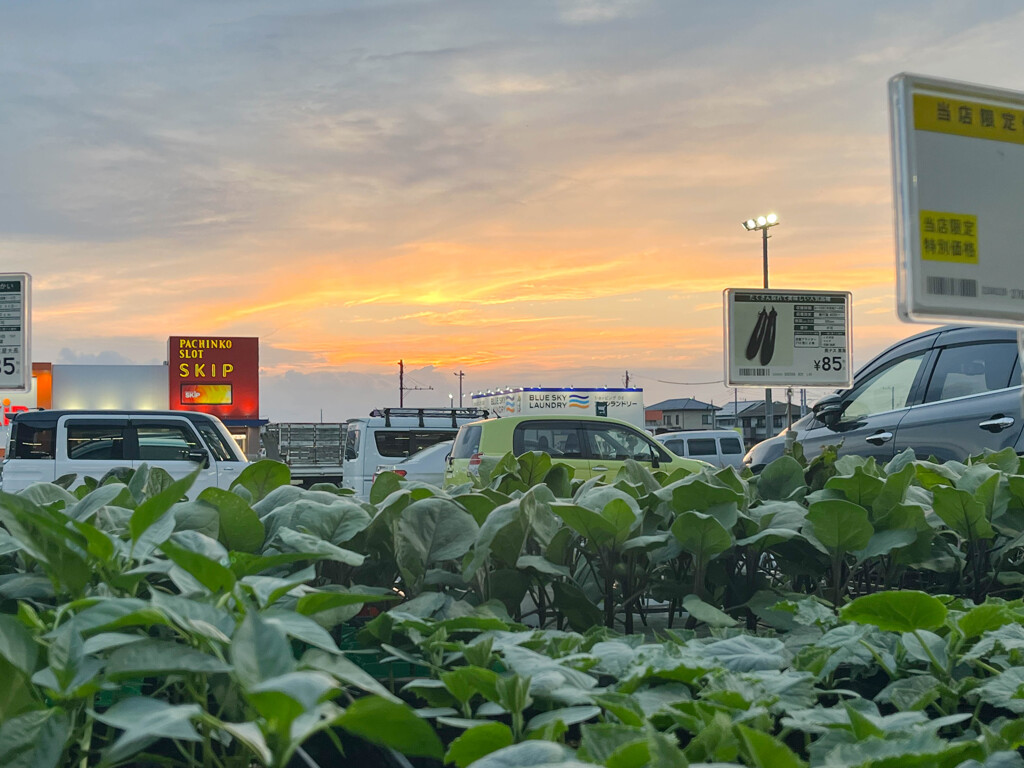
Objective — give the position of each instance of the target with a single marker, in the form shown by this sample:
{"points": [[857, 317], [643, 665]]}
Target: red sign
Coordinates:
{"points": [[218, 375]]}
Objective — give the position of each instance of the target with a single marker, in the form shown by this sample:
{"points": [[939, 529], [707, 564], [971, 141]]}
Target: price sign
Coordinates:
{"points": [[15, 316], [958, 177], [787, 338]]}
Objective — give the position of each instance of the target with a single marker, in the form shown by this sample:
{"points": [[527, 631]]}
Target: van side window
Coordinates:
{"points": [[702, 446], [397, 444], [165, 442], [678, 447], [731, 446], [95, 442], [29, 442], [613, 442], [971, 370]]}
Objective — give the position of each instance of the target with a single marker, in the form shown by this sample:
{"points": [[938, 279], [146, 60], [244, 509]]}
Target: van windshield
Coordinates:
{"points": [[216, 442], [399, 443], [467, 443]]}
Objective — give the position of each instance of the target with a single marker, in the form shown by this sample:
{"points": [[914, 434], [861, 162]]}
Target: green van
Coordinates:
{"points": [[591, 445]]}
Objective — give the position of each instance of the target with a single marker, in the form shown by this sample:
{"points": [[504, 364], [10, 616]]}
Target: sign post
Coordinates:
{"points": [[787, 338], [15, 336]]}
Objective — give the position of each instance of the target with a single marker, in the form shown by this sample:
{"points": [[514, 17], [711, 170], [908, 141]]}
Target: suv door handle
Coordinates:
{"points": [[879, 437], [997, 424], [599, 469]]}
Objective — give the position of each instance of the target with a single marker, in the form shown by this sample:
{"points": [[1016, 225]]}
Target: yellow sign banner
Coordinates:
{"points": [[949, 237], [973, 119]]}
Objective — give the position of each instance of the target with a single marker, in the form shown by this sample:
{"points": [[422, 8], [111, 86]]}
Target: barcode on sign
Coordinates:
{"points": [[753, 371], [951, 286]]}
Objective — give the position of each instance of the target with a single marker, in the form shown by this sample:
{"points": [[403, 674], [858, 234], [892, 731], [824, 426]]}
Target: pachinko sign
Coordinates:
{"points": [[217, 375]]}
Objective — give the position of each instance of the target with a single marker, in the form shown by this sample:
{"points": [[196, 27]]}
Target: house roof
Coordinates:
{"points": [[732, 408], [682, 404]]}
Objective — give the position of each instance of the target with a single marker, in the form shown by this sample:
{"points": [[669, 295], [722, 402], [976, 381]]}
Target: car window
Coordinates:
{"points": [[560, 439], [165, 442], [216, 442], [616, 443], [95, 442], [677, 447], [972, 369], [399, 443], [702, 446], [467, 443], [886, 390], [731, 446], [29, 442]]}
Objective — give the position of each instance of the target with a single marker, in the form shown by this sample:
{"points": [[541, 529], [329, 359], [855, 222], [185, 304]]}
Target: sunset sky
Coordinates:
{"points": [[540, 192]]}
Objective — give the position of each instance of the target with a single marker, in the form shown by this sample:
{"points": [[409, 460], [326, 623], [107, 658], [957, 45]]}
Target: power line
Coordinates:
{"points": [[690, 383]]}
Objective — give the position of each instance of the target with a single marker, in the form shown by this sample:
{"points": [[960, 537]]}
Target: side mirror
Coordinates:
{"points": [[829, 409], [655, 461], [199, 456], [350, 454]]}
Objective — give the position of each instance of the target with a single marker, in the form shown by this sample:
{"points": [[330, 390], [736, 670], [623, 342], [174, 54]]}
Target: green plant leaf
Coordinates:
{"points": [[566, 715], [596, 530], [35, 739], [530, 754], [765, 751], [155, 657], [154, 508], [477, 742], [841, 526], [701, 535], [429, 532], [384, 722], [210, 573], [347, 672], [144, 721], [307, 543], [781, 479], [962, 512], [260, 651], [706, 613], [17, 645], [899, 611], [262, 477], [239, 527]]}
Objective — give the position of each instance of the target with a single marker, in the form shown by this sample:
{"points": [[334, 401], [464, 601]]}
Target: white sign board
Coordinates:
{"points": [[787, 338], [626, 404], [958, 177], [15, 319]]}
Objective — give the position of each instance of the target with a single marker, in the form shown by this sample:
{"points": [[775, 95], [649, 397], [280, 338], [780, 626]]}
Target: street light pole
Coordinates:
{"points": [[763, 223]]}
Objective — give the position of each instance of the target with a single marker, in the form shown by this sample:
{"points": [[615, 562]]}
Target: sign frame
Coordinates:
{"points": [[810, 321], [958, 166], [16, 349]]}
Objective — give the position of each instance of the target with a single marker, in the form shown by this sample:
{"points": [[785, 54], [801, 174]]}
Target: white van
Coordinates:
{"points": [[391, 434], [46, 445], [720, 447]]}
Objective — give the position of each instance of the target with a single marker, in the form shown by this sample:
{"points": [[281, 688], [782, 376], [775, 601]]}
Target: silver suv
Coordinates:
{"points": [[950, 392]]}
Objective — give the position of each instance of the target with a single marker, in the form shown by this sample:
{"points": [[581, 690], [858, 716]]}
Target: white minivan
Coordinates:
{"points": [[720, 447], [46, 445], [389, 435]]}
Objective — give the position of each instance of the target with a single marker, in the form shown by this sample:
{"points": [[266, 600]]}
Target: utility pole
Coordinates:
{"points": [[626, 380], [461, 376], [402, 389]]}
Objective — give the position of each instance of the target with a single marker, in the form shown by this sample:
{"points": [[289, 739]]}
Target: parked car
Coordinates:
{"points": [[719, 447], [426, 466], [45, 445], [591, 445], [392, 434], [950, 392]]}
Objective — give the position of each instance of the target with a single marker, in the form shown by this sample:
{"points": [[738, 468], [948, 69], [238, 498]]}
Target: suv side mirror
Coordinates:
{"points": [[829, 409], [199, 456]]}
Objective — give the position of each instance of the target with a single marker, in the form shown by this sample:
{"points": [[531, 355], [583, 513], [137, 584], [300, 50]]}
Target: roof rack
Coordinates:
{"points": [[454, 413]]}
